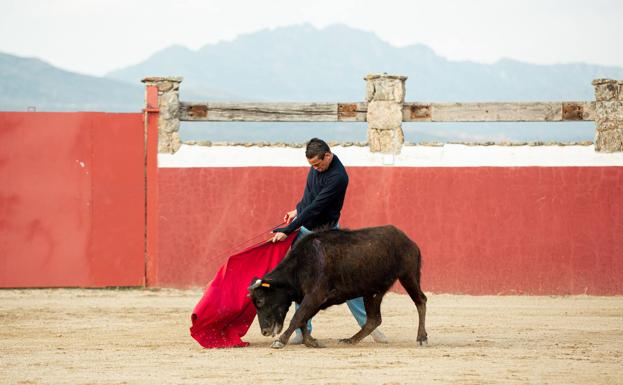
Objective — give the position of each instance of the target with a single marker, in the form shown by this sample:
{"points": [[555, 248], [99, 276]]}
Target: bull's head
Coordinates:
{"points": [[272, 304]]}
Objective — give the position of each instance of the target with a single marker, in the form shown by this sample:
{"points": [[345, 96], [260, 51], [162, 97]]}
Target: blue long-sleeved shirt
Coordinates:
{"points": [[322, 200]]}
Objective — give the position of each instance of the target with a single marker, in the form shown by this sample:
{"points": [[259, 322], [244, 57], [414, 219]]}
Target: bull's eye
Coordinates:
{"points": [[259, 302]]}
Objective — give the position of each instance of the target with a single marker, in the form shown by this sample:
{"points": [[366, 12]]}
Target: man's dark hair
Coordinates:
{"points": [[316, 148]]}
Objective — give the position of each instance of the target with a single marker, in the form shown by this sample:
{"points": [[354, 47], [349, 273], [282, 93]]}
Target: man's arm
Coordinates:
{"points": [[333, 190]]}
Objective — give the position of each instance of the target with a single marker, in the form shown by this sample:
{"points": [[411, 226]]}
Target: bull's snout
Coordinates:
{"points": [[272, 330]]}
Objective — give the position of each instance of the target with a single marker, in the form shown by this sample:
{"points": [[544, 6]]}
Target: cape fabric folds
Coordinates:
{"points": [[225, 313]]}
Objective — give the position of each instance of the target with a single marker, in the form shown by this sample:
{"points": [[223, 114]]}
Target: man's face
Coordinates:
{"points": [[321, 164]]}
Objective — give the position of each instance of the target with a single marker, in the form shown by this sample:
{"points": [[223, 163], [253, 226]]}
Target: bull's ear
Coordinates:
{"points": [[257, 283]]}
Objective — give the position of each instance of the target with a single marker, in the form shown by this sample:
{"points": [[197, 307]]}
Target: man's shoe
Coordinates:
{"points": [[297, 339], [378, 336]]}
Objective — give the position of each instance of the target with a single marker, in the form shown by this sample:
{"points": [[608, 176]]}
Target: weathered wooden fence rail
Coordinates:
{"points": [[273, 112], [411, 112], [499, 112], [384, 109]]}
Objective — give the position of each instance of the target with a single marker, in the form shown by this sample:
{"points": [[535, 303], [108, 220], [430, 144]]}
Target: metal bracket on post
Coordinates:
{"points": [[572, 111]]}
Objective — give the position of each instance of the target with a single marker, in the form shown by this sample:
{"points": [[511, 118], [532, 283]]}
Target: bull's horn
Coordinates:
{"points": [[255, 284]]}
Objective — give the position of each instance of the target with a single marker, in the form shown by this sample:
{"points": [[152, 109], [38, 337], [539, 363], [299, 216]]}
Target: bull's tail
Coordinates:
{"points": [[410, 278]]}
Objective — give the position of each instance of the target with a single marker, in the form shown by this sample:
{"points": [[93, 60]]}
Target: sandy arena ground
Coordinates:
{"points": [[78, 336]]}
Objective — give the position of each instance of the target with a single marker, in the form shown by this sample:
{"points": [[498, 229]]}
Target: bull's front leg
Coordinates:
{"points": [[306, 311]]}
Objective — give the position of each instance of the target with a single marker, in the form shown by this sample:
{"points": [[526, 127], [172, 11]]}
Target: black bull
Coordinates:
{"points": [[330, 267]]}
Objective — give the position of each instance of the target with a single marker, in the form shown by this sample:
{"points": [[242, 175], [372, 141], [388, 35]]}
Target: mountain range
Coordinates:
{"points": [[29, 83], [296, 63], [302, 63]]}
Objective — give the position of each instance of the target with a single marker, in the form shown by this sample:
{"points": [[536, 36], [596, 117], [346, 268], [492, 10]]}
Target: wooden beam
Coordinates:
{"points": [[260, 112], [498, 112], [412, 112]]}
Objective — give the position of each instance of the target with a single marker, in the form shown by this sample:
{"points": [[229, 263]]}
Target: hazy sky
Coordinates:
{"points": [[96, 36]]}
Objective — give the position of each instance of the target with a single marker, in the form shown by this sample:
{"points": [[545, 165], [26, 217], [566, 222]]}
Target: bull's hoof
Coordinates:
{"points": [[312, 343], [379, 337], [346, 341], [277, 344], [422, 341]]}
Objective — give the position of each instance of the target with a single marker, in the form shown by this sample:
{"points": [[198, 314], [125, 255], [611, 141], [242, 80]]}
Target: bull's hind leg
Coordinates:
{"points": [[373, 318], [412, 285], [308, 340]]}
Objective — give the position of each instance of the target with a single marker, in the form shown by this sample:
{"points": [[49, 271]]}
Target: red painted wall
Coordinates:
{"points": [[482, 230], [72, 205], [72, 213]]}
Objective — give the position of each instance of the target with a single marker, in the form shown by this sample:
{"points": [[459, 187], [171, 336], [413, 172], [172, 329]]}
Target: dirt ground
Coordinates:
{"points": [[123, 336]]}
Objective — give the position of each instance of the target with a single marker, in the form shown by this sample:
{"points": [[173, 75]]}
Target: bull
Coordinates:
{"points": [[330, 267]]}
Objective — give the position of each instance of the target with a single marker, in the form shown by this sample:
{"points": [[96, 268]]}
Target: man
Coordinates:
{"points": [[319, 209]]}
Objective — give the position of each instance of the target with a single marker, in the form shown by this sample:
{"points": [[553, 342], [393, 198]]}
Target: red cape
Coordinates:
{"points": [[225, 313]]}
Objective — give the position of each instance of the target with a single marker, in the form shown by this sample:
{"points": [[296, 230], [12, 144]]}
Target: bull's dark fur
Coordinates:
{"points": [[330, 267]]}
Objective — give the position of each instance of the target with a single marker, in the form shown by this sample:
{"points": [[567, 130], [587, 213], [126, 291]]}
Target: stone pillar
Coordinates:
{"points": [[169, 114], [608, 115], [385, 95]]}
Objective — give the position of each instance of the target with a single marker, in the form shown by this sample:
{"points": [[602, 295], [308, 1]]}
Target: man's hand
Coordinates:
{"points": [[278, 237], [289, 216]]}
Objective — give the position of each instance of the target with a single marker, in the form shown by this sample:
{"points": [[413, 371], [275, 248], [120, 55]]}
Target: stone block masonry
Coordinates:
{"points": [[169, 114], [385, 95], [608, 115]]}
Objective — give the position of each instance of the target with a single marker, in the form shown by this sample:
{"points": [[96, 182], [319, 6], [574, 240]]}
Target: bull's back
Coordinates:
{"points": [[365, 261]]}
